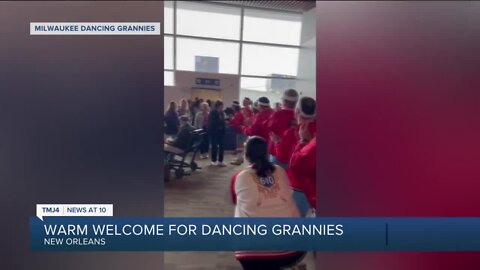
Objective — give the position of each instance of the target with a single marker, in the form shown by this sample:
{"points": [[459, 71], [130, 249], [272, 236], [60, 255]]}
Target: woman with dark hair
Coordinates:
{"points": [[216, 131], [171, 120], [262, 190]]}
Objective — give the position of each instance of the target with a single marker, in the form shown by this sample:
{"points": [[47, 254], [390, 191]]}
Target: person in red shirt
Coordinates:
{"points": [[256, 128], [302, 167], [284, 145], [241, 116], [280, 121], [247, 108], [236, 124]]}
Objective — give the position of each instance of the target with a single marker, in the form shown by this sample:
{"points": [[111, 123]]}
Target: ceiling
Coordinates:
{"points": [[297, 6]]}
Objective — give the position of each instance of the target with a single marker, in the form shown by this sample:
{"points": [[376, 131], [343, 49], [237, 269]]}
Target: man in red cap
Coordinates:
{"points": [[280, 121], [256, 128]]}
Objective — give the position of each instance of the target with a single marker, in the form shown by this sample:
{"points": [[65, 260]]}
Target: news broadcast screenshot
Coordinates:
{"points": [[240, 135]]}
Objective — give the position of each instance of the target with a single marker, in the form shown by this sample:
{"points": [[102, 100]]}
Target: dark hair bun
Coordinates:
{"points": [[256, 151]]}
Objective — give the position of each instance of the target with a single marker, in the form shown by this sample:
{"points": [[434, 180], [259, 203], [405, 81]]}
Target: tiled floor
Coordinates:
{"points": [[205, 193]]}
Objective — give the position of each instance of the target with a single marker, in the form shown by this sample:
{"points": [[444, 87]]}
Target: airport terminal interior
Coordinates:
{"points": [[229, 50]]}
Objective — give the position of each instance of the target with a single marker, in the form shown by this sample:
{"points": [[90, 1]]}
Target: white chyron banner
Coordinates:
{"points": [[95, 28], [74, 210]]}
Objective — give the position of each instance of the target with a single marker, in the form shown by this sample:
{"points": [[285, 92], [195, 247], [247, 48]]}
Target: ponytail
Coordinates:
{"points": [[257, 154], [263, 167]]}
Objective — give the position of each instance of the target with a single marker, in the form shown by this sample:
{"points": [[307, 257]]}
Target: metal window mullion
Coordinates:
{"points": [[240, 54], [174, 36], [268, 77], [240, 41]]}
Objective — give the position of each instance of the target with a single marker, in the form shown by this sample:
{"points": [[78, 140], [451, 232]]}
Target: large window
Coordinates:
{"points": [[168, 52], [190, 49], [168, 17], [262, 46], [207, 20], [272, 27], [264, 60], [168, 78], [267, 84]]}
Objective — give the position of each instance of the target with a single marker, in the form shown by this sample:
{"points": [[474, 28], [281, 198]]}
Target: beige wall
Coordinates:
{"points": [[185, 80]]}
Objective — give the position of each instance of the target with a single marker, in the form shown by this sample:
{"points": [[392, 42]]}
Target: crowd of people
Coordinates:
{"points": [[280, 149]]}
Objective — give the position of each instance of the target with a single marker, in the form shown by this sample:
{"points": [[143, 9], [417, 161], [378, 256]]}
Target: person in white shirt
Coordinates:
{"points": [[262, 190]]}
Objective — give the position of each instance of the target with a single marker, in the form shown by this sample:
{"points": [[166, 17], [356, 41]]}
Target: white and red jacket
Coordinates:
{"points": [[262, 197]]}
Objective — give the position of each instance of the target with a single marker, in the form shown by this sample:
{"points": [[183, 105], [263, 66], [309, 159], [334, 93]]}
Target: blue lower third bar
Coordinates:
{"points": [[233, 234]]}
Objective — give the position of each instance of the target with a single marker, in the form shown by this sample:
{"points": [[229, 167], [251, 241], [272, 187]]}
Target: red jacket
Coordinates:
{"points": [[237, 122], [257, 127], [279, 122], [288, 142], [302, 168], [247, 112]]}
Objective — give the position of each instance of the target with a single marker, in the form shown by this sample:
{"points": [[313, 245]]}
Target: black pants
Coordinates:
{"points": [[205, 143], [216, 138], [272, 264]]}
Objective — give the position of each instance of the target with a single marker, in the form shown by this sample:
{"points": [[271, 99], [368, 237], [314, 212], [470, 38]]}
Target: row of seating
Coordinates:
{"points": [[178, 161]]}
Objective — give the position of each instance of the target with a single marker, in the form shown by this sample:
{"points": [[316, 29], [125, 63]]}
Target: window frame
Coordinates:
{"points": [[240, 41]]}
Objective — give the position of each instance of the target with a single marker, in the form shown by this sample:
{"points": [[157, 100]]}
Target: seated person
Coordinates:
{"points": [[262, 190], [181, 142]]}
